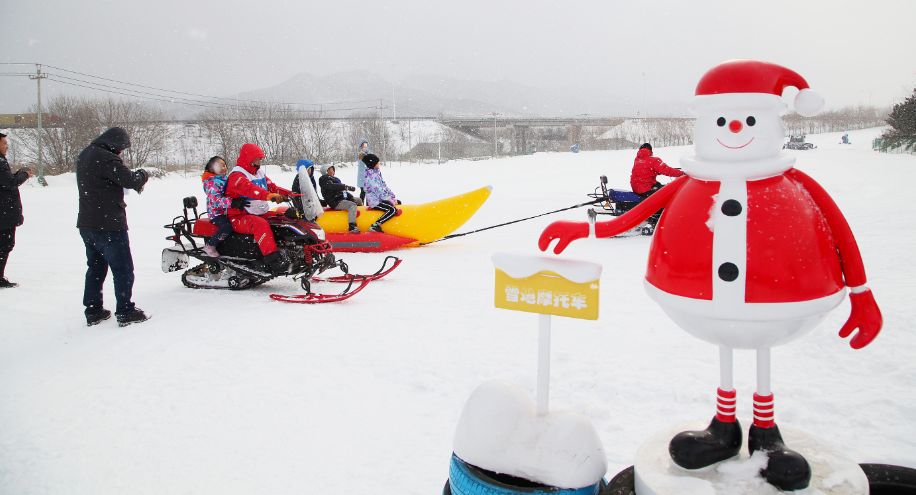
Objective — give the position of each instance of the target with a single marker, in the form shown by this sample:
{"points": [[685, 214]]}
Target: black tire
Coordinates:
{"points": [[184, 276], [466, 479], [885, 479], [624, 483]]}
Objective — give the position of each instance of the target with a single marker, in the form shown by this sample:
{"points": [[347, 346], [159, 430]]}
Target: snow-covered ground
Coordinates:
{"points": [[231, 393]]}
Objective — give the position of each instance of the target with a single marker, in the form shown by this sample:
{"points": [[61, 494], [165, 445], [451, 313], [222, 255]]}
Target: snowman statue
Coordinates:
{"points": [[750, 253]]}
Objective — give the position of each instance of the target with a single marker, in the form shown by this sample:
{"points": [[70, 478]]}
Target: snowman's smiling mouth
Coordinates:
{"points": [[735, 147]]}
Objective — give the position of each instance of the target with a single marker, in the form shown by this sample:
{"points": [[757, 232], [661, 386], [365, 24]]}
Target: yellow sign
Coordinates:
{"points": [[547, 292]]}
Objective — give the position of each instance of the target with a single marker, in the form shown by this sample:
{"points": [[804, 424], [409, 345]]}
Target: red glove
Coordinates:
{"points": [[865, 316], [563, 230]]}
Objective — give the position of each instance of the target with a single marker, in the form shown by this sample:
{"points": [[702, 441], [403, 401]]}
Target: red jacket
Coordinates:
{"points": [[239, 185], [646, 169]]}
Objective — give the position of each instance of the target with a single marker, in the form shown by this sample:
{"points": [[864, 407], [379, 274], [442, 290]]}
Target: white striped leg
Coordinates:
{"points": [[726, 397]]}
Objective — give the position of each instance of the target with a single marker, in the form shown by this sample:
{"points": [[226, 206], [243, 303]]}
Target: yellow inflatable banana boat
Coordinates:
{"points": [[415, 224]]}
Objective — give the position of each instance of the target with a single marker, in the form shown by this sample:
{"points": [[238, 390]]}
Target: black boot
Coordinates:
{"points": [[95, 315], [786, 469], [698, 449], [353, 228], [277, 262], [6, 284], [135, 315]]}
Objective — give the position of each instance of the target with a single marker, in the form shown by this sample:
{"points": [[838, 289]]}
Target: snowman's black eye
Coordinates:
{"points": [[721, 122], [751, 120]]}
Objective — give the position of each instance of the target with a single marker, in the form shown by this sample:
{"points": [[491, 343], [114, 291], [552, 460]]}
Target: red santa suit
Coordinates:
{"points": [[748, 262]]}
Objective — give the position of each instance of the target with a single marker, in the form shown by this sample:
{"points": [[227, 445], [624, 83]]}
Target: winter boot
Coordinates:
{"points": [[135, 315], [277, 262], [94, 316], [210, 251], [6, 284], [376, 227], [698, 449], [354, 229], [786, 469]]}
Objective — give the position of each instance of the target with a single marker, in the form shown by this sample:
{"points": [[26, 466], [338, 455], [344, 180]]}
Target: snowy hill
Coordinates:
{"points": [[429, 95], [231, 393]]}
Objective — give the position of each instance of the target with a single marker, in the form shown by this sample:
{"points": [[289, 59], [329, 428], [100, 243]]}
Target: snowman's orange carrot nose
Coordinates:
{"points": [[735, 126]]}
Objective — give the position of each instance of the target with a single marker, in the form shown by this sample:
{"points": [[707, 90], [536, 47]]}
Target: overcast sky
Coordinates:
{"points": [[852, 52]]}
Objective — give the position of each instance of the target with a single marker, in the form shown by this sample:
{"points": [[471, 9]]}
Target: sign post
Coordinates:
{"points": [[547, 286]]}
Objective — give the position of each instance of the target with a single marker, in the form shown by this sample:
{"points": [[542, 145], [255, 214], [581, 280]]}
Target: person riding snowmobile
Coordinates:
{"points": [[644, 176], [646, 169], [248, 181]]}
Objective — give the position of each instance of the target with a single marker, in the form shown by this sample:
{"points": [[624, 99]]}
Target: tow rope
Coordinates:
{"points": [[593, 202]]}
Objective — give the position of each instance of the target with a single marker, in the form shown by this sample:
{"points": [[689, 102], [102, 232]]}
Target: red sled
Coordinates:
{"points": [[366, 242]]}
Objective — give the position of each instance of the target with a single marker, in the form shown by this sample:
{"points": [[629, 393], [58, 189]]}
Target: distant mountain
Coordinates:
{"points": [[428, 96], [423, 95]]}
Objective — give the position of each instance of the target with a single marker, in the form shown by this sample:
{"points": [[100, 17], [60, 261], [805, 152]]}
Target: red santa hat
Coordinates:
{"points": [[754, 83]]}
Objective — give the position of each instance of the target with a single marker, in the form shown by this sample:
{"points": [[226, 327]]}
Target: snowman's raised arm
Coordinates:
{"points": [[640, 212], [567, 232], [864, 315]]}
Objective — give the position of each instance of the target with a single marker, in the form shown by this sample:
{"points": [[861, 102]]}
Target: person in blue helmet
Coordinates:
{"points": [[297, 189]]}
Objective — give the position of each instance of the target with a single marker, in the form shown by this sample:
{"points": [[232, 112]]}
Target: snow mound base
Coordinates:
{"points": [[500, 431], [832, 473]]}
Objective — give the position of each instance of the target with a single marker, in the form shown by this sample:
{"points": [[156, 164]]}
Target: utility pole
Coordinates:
{"points": [[394, 106], [41, 169], [495, 150]]}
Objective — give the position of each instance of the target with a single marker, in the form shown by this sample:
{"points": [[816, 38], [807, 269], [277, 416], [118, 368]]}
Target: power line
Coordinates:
{"points": [[172, 99], [202, 95], [52, 78], [167, 98]]}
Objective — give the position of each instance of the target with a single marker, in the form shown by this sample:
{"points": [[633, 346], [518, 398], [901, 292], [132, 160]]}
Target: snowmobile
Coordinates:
{"points": [[616, 202], [798, 143], [241, 265]]}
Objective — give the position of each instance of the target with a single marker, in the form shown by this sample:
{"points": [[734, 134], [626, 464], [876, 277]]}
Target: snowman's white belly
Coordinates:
{"points": [[744, 325]]}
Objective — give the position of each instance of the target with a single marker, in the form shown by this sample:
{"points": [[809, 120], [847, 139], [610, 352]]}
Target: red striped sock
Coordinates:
{"points": [[725, 405], [763, 411]]}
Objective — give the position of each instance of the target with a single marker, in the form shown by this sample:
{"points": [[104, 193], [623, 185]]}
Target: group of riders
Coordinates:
{"points": [[239, 200]]}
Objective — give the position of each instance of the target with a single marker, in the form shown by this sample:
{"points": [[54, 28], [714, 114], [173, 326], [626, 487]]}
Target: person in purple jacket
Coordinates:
{"points": [[378, 195], [218, 204]]}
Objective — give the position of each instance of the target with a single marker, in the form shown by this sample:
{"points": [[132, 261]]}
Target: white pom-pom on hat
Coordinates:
{"points": [[808, 103]]}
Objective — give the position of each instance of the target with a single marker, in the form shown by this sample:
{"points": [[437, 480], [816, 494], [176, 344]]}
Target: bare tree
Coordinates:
{"points": [[71, 128], [224, 131], [322, 140], [372, 129], [144, 124]]}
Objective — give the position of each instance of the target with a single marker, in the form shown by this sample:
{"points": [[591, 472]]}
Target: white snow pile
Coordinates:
{"points": [[500, 431], [832, 471], [523, 266]]}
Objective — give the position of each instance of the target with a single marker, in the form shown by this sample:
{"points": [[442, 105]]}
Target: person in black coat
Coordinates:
{"points": [[101, 178], [10, 208], [335, 194]]}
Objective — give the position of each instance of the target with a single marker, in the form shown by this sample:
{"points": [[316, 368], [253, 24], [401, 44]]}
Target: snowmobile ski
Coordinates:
{"points": [[349, 277], [318, 298]]}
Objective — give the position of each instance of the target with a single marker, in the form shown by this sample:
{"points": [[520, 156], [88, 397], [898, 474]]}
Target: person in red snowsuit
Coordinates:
{"points": [[248, 181], [646, 169], [644, 177]]}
